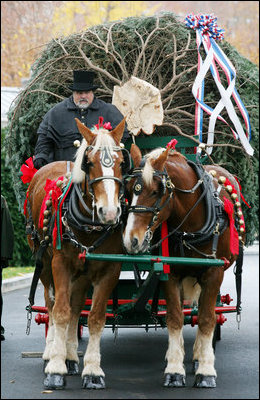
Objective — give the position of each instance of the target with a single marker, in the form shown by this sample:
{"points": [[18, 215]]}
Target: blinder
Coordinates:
{"points": [[85, 165], [127, 164], [85, 162], [138, 187]]}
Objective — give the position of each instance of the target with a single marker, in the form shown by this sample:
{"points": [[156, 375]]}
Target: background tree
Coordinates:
{"points": [[28, 25]]}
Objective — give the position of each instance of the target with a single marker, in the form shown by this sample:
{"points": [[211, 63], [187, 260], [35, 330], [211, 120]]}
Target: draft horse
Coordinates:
{"points": [[198, 204], [91, 220]]}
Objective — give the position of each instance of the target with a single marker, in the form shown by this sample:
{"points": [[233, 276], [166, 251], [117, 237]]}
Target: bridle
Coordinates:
{"points": [[166, 184], [106, 161], [74, 218]]}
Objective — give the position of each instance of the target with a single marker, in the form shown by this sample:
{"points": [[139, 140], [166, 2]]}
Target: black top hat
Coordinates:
{"points": [[83, 81]]}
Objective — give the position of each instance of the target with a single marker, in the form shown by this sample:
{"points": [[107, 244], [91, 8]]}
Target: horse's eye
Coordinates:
{"points": [[154, 192]]}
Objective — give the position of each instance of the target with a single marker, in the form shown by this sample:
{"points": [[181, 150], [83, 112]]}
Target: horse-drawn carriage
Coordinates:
{"points": [[132, 241]]}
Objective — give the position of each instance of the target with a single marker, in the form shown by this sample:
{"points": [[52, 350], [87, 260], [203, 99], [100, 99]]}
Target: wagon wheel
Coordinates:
{"points": [[216, 335], [80, 331]]}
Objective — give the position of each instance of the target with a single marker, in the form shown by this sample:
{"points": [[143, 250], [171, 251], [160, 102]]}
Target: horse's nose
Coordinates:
{"points": [[134, 243], [109, 215]]}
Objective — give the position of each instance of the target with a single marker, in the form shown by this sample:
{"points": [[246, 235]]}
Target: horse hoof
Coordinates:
{"points": [[93, 382], [205, 381], [54, 381], [72, 367], [195, 365], [174, 380]]}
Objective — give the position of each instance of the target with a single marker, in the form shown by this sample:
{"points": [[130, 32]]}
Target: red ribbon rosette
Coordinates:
{"points": [[28, 170], [172, 144], [106, 125]]}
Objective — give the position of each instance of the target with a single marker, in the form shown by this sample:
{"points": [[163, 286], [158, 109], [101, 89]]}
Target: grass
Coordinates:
{"points": [[11, 272]]}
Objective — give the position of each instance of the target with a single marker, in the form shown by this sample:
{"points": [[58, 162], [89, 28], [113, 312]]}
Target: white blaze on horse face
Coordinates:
{"points": [[127, 235], [133, 238], [108, 206]]}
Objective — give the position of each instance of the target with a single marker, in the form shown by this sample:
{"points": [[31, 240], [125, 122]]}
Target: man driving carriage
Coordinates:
{"points": [[58, 136]]}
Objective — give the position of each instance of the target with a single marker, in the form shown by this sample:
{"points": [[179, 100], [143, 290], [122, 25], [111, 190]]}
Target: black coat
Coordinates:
{"points": [[58, 130]]}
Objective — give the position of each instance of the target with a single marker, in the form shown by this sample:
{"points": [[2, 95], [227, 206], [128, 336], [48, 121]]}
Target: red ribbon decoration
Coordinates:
{"points": [[56, 193], [100, 124], [165, 246], [227, 182], [240, 188], [234, 241], [28, 170], [172, 144], [55, 229]]}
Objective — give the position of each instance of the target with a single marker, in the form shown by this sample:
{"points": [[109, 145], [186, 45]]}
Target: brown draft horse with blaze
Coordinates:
{"points": [[165, 186], [97, 173]]}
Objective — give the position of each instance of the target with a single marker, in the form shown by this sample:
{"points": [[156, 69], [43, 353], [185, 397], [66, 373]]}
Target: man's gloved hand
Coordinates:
{"points": [[39, 162]]}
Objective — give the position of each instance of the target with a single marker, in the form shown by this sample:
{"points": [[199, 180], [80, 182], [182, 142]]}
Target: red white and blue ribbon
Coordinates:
{"points": [[207, 32]]}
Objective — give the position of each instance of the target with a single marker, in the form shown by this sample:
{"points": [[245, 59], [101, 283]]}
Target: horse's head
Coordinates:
{"points": [[98, 165], [150, 190]]}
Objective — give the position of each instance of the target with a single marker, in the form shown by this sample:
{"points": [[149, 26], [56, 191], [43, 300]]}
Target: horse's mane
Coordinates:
{"points": [[148, 170], [103, 140]]}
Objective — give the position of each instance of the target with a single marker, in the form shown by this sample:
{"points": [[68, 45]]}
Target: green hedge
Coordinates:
{"points": [[22, 255]]}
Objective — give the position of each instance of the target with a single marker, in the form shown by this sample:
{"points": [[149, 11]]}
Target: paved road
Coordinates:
{"points": [[134, 363]]}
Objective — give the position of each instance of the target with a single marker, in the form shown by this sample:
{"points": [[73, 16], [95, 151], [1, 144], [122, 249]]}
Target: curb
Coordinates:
{"points": [[252, 250], [20, 282]]}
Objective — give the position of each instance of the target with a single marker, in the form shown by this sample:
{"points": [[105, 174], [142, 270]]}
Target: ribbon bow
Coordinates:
{"points": [[206, 31]]}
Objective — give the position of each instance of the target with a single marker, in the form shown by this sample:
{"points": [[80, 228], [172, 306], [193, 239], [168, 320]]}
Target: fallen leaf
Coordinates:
{"points": [[47, 391]]}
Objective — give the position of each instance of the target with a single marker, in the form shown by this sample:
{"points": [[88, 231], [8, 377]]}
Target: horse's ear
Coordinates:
{"points": [[158, 163], [117, 133], [85, 131], [136, 155]]}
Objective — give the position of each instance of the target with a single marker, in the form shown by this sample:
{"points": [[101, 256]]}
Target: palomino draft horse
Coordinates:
{"points": [[91, 220], [166, 187]]}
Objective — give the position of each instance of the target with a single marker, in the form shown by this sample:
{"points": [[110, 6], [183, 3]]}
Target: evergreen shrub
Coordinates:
{"points": [[22, 255]]}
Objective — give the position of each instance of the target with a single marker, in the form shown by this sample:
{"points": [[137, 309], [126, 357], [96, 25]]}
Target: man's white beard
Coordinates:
{"points": [[82, 105]]}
